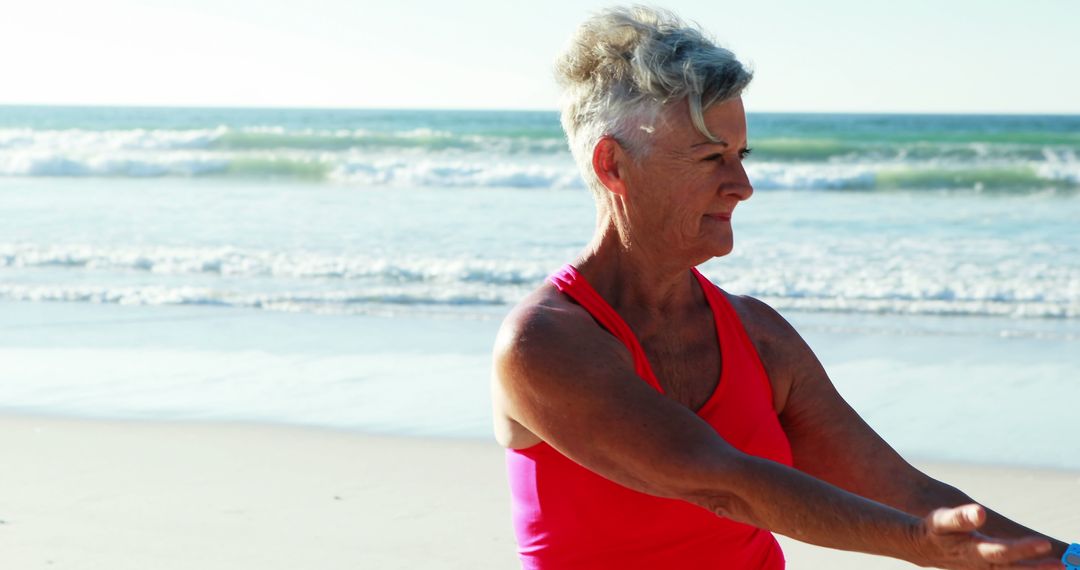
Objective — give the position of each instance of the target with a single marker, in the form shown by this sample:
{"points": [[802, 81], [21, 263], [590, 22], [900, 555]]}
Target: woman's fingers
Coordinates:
{"points": [[1005, 551], [954, 533], [1043, 564], [965, 518]]}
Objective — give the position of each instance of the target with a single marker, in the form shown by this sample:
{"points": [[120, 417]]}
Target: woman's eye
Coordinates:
{"points": [[719, 157]]}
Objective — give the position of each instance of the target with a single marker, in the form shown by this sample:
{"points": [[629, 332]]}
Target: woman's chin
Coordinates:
{"points": [[714, 250], [721, 252], [722, 245]]}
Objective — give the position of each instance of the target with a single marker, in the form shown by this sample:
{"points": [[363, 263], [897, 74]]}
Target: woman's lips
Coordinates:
{"points": [[722, 217]]}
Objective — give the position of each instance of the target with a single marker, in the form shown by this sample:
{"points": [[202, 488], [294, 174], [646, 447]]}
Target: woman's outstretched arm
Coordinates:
{"points": [[830, 441], [574, 385]]}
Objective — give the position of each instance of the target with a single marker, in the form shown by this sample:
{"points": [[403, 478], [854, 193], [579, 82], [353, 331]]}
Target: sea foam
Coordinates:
{"points": [[431, 157], [905, 281]]}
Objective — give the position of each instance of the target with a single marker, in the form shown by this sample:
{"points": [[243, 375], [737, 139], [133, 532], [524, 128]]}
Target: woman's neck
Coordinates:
{"points": [[627, 273]]}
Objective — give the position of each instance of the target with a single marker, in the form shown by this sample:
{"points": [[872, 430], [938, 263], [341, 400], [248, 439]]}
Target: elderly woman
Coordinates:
{"points": [[652, 420]]}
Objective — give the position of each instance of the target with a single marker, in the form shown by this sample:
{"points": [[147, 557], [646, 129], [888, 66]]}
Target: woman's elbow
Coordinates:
{"points": [[718, 485]]}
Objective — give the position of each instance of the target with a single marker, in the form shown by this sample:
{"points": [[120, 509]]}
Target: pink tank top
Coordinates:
{"points": [[568, 518]]}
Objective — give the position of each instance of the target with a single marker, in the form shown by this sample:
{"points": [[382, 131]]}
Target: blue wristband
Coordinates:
{"points": [[1071, 558]]}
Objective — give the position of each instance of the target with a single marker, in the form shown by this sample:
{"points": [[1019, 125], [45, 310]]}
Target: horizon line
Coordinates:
{"points": [[515, 109]]}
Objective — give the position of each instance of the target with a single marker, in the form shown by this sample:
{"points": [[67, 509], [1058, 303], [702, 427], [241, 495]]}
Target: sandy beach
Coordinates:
{"points": [[119, 495], [250, 288]]}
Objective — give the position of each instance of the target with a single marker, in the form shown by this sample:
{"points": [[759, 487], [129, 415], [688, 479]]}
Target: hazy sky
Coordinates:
{"points": [[826, 55]]}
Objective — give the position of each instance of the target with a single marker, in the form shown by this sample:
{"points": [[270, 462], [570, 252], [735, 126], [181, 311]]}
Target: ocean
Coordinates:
{"points": [[348, 268]]}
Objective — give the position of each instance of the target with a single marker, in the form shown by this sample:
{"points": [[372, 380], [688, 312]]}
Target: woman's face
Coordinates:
{"points": [[680, 196]]}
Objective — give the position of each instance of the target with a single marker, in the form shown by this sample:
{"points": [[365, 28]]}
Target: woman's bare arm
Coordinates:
{"points": [[574, 386], [830, 441]]}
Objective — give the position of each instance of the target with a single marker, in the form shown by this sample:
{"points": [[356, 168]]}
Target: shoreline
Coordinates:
{"points": [[133, 494], [928, 395]]}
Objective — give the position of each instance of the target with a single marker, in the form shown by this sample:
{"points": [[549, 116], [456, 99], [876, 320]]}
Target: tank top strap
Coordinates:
{"points": [[567, 280], [731, 330]]}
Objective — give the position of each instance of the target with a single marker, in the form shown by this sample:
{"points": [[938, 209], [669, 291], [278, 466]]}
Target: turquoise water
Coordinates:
{"points": [[932, 261], [524, 149]]}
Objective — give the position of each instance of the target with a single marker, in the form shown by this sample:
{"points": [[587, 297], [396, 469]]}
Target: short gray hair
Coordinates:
{"points": [[624, 65]]}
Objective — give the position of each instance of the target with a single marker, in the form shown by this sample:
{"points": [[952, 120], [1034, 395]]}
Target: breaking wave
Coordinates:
{"points": [[309, 281], [525, 158]]}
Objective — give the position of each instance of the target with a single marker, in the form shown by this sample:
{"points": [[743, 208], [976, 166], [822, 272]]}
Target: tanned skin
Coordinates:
{"points": [[557, 375]]}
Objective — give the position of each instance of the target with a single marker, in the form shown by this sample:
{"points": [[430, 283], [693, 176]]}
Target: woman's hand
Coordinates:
{"points": [[947, 538]]}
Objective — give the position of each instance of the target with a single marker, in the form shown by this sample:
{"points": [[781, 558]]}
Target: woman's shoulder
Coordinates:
{"points": [[548, 323], [544, 341], [762, 322]]}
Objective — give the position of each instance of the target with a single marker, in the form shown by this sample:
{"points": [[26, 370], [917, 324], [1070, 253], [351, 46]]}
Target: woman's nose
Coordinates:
{"points": [[739, 183]]}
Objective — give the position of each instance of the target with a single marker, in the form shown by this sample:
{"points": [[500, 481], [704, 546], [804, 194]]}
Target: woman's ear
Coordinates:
{"points": [[607, 161]]}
